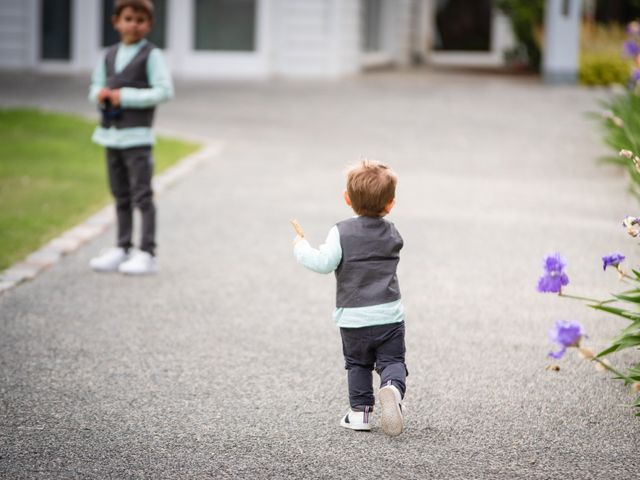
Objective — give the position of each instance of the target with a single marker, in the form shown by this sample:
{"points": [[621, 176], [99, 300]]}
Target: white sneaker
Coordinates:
{"points": [[140, 263], [357, 420], [109, 260], [391, 410]]}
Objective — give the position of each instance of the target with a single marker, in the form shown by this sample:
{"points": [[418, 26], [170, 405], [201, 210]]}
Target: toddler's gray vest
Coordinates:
{"points": [[370, 254], [133, 75]]}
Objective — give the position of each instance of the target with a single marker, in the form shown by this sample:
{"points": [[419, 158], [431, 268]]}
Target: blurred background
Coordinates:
{"points": [[311, 38], [251, 61]]}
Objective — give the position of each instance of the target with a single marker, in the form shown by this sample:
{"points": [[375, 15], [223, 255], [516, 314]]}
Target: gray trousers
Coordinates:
{"points": [[380, 347], [130, 172]]}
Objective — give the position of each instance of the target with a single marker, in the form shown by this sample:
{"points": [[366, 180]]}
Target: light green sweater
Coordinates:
{"points": [[160, 91]]}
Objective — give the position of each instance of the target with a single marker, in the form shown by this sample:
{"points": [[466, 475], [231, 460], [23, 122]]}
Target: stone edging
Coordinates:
{"points": [[53, 251]]}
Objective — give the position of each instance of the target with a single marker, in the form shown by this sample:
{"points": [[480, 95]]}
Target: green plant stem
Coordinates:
{"points": [[613, 370], [625, 275], [590, 300]]}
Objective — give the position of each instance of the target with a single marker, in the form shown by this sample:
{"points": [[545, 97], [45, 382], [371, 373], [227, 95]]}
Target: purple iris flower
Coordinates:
{"points": [[565, 334], [631, 48], [554, 277], [635, 76], [613, 260]]}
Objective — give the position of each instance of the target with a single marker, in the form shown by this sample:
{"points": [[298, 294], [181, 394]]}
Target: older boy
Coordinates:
{"points": [[127, 85], [364, 251]]}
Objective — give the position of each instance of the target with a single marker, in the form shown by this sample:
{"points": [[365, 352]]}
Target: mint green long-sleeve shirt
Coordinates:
{"points": [[326, 259], [161, 90]]}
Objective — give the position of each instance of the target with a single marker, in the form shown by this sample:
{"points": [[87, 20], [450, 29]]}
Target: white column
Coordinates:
{"points": [[180, 31], [34, 34], [424, 24], [396, 30], [561, 40], [20, 34], [86, 33]]}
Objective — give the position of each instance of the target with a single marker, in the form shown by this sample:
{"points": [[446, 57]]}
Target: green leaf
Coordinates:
{"points": [[622, 343], [634, 328], [612, 159], [618, 311], [634, 373], [607, 351], [628, 298]]}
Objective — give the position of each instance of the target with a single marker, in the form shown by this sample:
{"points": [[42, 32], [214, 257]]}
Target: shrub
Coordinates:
{"points": [[603, 69], [621, 122]]}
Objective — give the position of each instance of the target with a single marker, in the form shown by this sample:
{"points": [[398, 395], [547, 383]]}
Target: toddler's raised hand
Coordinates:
{"points": [[299, 231]]}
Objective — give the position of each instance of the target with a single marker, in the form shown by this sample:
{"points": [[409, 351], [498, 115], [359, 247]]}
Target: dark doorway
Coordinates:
{"points": [[463, 25], [617, 11], [55, 24]]}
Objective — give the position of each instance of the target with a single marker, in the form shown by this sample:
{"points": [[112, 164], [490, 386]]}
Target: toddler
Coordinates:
{"points": [[364, 251]]}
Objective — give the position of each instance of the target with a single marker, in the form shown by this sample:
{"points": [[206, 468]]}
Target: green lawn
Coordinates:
{"points": [[52, 176]]}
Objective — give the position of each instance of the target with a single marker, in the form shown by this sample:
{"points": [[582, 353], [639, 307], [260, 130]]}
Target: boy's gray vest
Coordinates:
{"points": [[133, 75], [370, 254]]}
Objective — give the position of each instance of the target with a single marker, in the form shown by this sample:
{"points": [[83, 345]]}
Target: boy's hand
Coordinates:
{"points": [[299, 231], [114, 98], [103, 95]]}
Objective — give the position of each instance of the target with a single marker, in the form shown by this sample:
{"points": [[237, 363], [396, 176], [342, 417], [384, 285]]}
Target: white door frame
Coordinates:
{"points": [[383, 56]]}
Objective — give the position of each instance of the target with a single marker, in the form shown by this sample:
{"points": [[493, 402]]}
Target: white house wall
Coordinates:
{"points": [[18, 48], [347, 37], [313, 38], [302, 40], [316, 37]]}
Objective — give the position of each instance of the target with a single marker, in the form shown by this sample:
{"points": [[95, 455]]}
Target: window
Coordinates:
{"points": [[157, 35], [228, 25], [56, 30]]}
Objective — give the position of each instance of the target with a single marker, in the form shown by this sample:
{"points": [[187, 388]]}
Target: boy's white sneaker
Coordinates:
{"points": [[109, 260], [390, 410], [357, 420], [140, 263]]}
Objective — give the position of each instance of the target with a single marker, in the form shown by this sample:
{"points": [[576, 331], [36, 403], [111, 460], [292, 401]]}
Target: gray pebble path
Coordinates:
{"points": [[227, 363]]}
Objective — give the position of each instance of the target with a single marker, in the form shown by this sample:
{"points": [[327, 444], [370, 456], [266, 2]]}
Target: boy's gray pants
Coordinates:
{"points": [[130, 171], [380, 347]]}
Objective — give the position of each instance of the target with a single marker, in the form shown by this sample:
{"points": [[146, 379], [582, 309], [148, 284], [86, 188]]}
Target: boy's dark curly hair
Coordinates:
{"points": [[145, 6]]}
